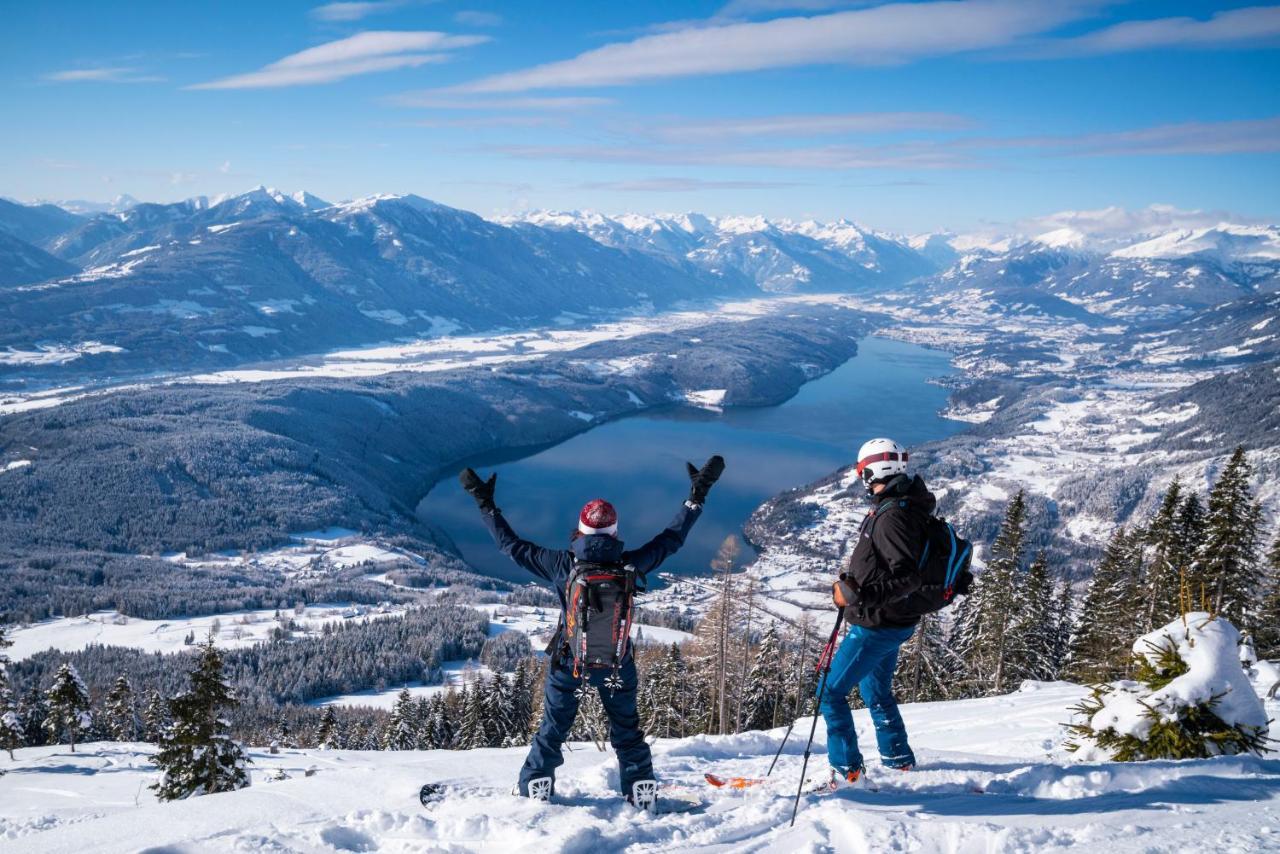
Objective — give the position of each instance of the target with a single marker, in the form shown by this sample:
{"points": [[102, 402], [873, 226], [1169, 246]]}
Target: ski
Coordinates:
{"points": [[733, 782], [670, 801]]}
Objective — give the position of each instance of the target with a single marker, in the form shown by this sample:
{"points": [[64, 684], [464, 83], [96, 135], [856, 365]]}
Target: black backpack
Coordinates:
{"points": [[943, 566], [597, 621]]}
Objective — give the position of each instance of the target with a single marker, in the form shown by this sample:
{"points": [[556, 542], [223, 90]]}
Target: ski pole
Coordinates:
{"points": [[824, 660], [817, 710]]}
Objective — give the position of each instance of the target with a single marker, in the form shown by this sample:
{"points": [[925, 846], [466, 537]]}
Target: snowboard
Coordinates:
{"points": [[670, 801]]}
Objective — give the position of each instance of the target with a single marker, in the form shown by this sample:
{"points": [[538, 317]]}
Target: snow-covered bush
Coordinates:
{"points": [[1190, 698]]}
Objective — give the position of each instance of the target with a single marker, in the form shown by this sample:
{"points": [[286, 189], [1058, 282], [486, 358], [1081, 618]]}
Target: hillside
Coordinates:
{"points": [[990, 779]]}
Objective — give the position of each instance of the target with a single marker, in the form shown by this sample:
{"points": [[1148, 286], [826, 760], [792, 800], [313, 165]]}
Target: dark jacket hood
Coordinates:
{"points": [[912, 489], [597, 548]]}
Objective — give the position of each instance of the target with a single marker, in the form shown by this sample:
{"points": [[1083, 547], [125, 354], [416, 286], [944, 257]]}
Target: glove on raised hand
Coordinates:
{"points": [[701, 480], [480, 490]]}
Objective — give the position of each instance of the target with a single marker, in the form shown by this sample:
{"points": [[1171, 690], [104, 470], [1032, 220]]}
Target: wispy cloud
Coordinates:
{"points": [[1246, 136], [342, 12], [829, 157], [102, 75], [817, 124], [473, 18], [362, 53], [1255, 24], [972, 152], [682, 185], [485, 122], [432, 99], [883, 35]]}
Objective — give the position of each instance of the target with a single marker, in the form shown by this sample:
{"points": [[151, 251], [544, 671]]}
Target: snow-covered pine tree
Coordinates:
{"points": [[400, 732], [928, 668], [122, 711], [497, 710], [155, 717], [521, 701], [471, 728], [1111, 609], [327, 735], [765, 690], [984, 631], [1229, 570], [1170, 558], [422, 720], [11, 735], [197, 753], [68, 700], [440, 723], [34, 711], [591, 723], [1267, 636], [1035, 624], [1063, 624]]}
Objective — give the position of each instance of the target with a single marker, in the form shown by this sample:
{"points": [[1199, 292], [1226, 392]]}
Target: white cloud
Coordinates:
{"points": [[102, 75], [434, 100], [473, 18], [1245, 136], [225, 168], [888, 34], [1114, 224], [829, 157], [818, 124], [678, 184], [1252, 24], [339, 12], [362, 53]]}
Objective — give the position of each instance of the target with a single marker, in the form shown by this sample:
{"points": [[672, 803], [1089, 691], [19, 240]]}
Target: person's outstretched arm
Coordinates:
{"points": [[651, 555], [542, 562]]}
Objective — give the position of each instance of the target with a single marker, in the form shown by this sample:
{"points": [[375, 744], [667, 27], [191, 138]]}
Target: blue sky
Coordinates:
{"points": [[910, 116]]}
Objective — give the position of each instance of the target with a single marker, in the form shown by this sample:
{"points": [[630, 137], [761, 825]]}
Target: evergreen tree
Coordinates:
{"points": [[401, 731], [1101, 644], [440, 723], [155, 717], [122, 711], [985, 623], [327, 735], [11, 734], [34, 711], [471, 729], [1170, 559], [669, 696], [1035, 624], [197, 755], [282, 735], [1267, 635], [498, 723], [1229, 569], [765, 690], [68, 700], [521, 701], [928, 668], [1063, 624]]}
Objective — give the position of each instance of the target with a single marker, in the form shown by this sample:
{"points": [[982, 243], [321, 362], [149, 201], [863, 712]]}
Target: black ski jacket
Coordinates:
{"points": [[884, 567], [554, 565]]}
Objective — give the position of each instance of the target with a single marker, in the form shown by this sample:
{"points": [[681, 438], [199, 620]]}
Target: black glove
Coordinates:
{"points": [[701, 480], [480, 490]]}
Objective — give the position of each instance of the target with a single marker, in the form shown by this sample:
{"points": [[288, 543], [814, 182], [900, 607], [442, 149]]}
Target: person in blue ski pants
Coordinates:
{"points": [[595, 541], [882, 573]]}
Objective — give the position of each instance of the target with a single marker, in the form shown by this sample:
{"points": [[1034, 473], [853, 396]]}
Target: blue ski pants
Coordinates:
{"points": [[560, 707], [866, 658]]}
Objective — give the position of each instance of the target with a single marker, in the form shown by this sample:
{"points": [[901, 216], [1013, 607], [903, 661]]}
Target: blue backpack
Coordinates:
{"points": [[944, 566]]}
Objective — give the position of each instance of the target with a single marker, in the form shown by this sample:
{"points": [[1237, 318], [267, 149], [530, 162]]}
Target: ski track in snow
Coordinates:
{"points": [[986, 784]]}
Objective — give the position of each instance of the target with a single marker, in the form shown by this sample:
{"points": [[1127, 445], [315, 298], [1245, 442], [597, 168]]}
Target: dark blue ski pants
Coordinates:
{"points": [[560, 707], [866, 658]]}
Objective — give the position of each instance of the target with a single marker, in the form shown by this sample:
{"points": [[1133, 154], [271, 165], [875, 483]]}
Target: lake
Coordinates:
{"points": [[637, 463]]}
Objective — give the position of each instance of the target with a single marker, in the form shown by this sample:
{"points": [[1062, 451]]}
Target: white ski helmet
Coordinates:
{"points": [[879, 459]]}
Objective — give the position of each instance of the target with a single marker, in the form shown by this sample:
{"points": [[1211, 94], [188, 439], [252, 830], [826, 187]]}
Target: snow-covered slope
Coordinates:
{"points": [[987, 782]]}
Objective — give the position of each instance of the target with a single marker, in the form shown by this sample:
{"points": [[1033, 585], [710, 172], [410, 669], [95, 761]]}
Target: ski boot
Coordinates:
{"points": [[644, 795], [855, 778]]}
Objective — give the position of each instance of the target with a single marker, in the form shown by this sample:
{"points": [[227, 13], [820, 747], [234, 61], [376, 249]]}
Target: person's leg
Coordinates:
{"points": [[877, 692], [634, 759], [559, 708], [853, 660]]}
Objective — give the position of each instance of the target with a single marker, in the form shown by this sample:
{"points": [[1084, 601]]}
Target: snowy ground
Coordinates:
{"points": [[450, 352], [235, 629], [986, 784]]}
